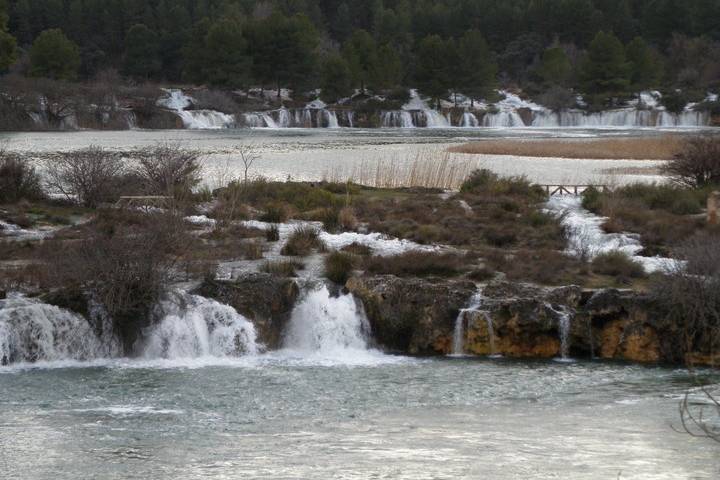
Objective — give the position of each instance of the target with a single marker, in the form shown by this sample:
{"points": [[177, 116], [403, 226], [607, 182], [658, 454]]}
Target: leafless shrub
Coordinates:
{"points": [[690, 294], [126, 264], [248, 155], [89, 176], [18, 179], [170, 170], [698, 163]]}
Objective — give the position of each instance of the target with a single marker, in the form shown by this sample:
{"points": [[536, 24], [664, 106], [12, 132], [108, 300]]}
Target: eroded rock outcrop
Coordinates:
{"points": [[265, 299]]}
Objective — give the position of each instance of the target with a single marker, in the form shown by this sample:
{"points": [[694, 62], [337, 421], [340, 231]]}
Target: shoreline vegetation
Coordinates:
{"points": [[663, 147]]}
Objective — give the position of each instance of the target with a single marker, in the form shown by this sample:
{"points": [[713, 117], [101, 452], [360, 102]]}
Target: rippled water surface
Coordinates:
{"points": [[280, 416]]}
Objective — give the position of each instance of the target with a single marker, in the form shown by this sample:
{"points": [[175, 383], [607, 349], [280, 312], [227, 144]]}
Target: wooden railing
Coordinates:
{"points": [[553, 190]]}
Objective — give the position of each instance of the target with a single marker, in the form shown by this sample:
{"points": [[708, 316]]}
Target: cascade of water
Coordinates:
{"points": [[564, 318], [469, 120], [283, 118], [350, 118], [475, 303], [268, 120], [326, 325], [397, 119], [491, 333], [434, 119], [331, 118], [32, 331], [195, 326], [205, 119]]}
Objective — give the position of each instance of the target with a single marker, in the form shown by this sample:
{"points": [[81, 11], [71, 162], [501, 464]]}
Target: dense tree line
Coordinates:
{"points": [[604, 48]]}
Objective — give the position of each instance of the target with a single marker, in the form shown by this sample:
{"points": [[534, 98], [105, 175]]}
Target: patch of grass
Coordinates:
{"points": [[417, 264], [302, 242], [644, 148], [282, 268], [339, 267], [543, 266], [617, 264], [275, 213], [484, 181]]}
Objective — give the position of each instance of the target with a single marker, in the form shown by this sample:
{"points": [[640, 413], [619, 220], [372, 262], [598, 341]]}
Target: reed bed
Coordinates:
{"points": [[425, 168], [642, 148]]}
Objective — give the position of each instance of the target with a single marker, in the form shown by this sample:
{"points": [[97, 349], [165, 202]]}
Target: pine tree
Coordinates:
{"points": [[142, 48], [336, 80], [55, 56], [8, 44], [645, 65], [476, 66], [360, 51], [228, 63], [605, 70], [555, 67], [387, 72], [432, 74]]}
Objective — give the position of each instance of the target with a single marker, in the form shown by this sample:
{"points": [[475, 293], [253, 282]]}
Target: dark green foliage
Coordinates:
{"points": [[476, 66], [55, 56], [645, 65], [433, 74], [142, 52], [485, 181], [605, 70], [8, 43], [336, 81], [555, 68], [339, 267]]}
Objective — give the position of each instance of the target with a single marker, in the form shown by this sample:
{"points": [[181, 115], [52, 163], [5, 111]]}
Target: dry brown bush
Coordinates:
{"points": [[697, 163]]}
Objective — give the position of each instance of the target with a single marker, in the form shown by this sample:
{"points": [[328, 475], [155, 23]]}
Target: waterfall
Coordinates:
{"points": [[329, 327], [435, 119], [397, 119], [503, 119], [564, 319], [32, 331], [622, 117], [331, 118], [284, 118], [195, 326], [269, 122], [205, 119], [491, 333], [459, 333], [350, 117], [469, 120]]}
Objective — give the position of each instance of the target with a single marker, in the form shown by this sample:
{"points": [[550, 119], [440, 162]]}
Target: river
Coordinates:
{"points": [[315, 154]]}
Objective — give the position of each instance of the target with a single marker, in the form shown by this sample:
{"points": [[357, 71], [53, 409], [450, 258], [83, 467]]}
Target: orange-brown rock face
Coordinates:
{"points": [[626, 340]]}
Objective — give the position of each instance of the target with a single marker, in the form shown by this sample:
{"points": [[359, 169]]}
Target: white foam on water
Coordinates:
{"points": [[564, 318], [195, 326], [32, 331], [586, 238], [330, 330]]}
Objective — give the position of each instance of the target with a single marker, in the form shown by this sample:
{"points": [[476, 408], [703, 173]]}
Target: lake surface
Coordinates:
{"points": [[281, 417], [314, 154]]}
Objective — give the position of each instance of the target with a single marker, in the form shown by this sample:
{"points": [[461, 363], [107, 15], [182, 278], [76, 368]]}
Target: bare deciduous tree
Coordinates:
{"points": [[248, 155], [18, 179], [168, 169], [89, 176], [698, 164]]}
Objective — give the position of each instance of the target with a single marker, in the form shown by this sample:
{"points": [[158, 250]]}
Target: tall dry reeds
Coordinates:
{"points": [[663, 147], [429, 168]]}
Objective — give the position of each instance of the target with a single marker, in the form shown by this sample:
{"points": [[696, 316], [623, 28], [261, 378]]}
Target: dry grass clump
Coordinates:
{"points": [[417, 263], [302, 242], [543, 266], [359, 249], [644, 148], [339, 266], [617, 264], [282, 268]]}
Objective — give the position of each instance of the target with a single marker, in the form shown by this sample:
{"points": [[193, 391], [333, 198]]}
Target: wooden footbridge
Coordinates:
{"points": [[553, 190]]}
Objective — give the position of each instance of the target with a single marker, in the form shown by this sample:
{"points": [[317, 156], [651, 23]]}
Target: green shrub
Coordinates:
{"points": [[339, 267], [592, 199], [302, 242], [275, 213], [486, 182], [617, 264]]}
